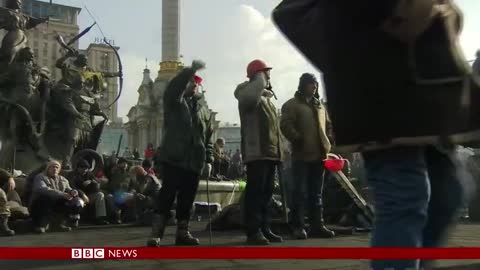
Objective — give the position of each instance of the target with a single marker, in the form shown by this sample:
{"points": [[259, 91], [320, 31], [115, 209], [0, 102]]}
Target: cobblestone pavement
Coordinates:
{"points": [[464, 235]]}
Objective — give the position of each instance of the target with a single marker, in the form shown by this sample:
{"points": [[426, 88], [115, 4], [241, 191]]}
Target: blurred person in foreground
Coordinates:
{"points": [[413, 99]]}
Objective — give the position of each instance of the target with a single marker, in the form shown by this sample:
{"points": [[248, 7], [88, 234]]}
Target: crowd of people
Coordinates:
{"points": [[57, 200]]}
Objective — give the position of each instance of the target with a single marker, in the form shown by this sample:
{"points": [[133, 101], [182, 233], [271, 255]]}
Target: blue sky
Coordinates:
{"points": [[227, 34]]}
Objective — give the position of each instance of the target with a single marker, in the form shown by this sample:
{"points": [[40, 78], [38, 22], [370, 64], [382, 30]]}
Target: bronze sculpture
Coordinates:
{"points": [[41, 119], [15, 23]]}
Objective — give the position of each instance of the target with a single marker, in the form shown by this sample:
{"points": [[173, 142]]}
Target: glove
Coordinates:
{"points": [[267, 94], [198, 65], [208, 167], [141, 196]]}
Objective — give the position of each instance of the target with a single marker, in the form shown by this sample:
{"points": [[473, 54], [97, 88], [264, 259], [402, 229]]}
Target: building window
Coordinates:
{"points": [[35, 51], [45, 49], [54, 51]]}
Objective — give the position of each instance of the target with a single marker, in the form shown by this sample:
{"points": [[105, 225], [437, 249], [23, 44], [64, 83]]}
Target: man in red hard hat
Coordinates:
{"points": [[306, 125], [261, 150]]}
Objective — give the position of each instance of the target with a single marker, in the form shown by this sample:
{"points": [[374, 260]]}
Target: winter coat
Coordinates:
{"points": [[260, 128], [307, 126], [391, 76], [187, 140], [55, 187]]}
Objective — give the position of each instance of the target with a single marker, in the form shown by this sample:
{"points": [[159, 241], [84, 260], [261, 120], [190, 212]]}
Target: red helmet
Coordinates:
{"points": [[256, 66], [334, 163]]}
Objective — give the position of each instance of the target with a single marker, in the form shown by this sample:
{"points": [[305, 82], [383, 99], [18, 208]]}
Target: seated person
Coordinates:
{"points": [[147, 187], [148, 166], [121, 191], [82, 179], [221, 159], [10, 203], [53, 201]]}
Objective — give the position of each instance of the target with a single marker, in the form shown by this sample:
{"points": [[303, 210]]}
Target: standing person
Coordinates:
{"points": [[187, 147], [221, 159], [136, 154], [306, 125], [148, 153], [405, 109], [157, 161], [261, 150]]}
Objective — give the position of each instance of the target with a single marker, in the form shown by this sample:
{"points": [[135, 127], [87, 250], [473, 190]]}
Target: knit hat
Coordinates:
{"points": [[52, 163]]}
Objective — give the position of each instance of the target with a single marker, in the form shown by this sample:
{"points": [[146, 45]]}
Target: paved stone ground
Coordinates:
{"points": [[464, 235]]}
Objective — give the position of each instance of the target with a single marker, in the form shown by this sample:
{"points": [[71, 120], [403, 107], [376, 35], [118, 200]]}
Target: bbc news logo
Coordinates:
{"points": [[101, 253], [88, 253]]}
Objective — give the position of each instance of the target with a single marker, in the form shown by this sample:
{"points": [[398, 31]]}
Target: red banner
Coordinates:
{"points": [[227, 253]]}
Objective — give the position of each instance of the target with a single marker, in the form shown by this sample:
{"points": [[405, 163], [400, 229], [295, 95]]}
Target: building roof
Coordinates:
{"points": [[229, 125], [47, 4], [100, 45]]}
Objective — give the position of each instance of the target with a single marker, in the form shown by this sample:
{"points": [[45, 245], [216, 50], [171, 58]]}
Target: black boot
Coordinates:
{"points": [[117, 217], [60, 226], [184, 238], [317, 226], [273, 238], [299, 234], [257, 239], [4, 229], [158, 229]]}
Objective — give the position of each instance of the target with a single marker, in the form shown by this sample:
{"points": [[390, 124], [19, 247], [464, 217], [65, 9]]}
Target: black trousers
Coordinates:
{"points": [[258, 195], [45, 207], [179, 183]]}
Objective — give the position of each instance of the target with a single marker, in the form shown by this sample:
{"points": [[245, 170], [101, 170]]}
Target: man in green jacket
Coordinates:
{"points": [[187, 147], [261, 150], [306, 125]]}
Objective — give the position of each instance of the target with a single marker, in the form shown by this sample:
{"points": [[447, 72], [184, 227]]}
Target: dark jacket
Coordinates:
{"points": [[307, 127], [120, 181], [187, 141], [4, 177], [149, 185], [381, 91], [86, 183], [260, 127]]}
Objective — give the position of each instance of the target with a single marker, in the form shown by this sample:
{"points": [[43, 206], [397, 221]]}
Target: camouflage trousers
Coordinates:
{"points": [[10, 205]]}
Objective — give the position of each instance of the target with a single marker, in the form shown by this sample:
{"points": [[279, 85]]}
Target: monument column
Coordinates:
{"points": [[170, 30]]}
